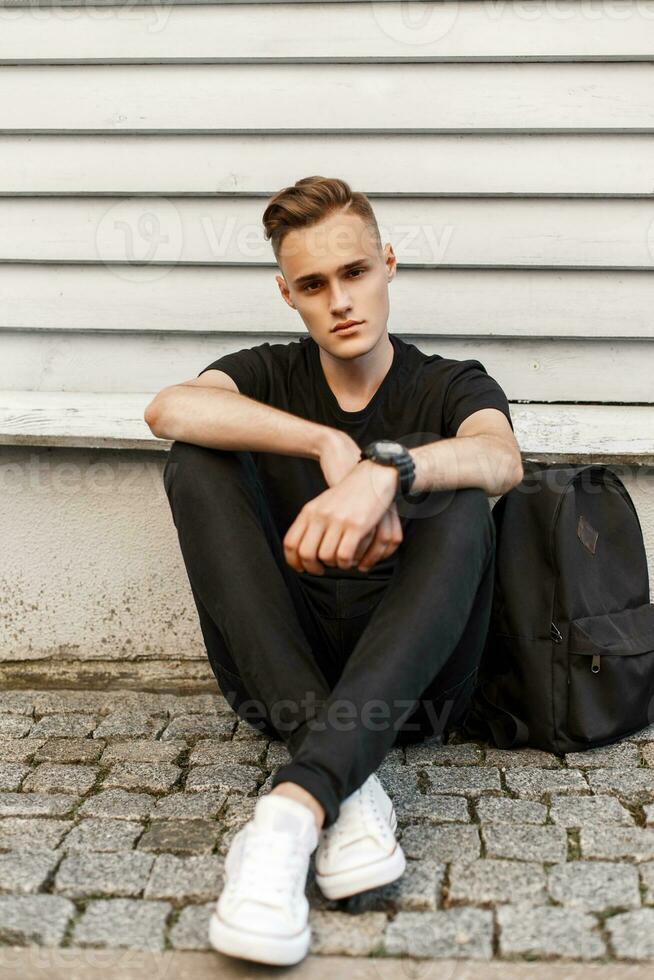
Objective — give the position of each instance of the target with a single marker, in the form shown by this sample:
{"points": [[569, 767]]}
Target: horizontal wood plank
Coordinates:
{"points": [[425, 232], [428, 302], [104, 420], [593, 370], [225, 165], [328, 98], [442, 30]]}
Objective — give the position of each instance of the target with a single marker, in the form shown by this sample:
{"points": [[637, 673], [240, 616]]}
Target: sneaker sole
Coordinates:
{"points": [[256, 946], [357, 880]]}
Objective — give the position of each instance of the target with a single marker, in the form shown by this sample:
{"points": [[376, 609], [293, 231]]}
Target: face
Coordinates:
{"points": [[342, 276]]}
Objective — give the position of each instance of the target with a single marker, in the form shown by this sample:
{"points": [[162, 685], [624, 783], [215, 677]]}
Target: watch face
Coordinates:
{"points": [[387, 448]]}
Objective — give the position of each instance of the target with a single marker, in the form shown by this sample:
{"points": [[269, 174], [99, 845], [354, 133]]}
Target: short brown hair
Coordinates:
{"points": [[308, 201]]}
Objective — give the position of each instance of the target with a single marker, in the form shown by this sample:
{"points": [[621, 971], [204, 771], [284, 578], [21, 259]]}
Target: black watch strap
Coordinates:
{"points": [[403, 462]]}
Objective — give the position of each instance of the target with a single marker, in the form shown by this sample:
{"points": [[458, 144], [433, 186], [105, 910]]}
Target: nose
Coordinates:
{"points": [[340, 302]]}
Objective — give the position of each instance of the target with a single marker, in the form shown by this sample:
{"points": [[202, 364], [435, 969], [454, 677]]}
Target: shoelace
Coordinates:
{"points": [[268, 868]]}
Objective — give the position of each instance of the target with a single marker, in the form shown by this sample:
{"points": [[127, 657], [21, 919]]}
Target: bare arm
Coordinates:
{"points": [[210, 411]]}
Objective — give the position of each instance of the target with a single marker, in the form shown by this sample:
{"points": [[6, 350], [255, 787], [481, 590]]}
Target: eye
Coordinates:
{"points": [[309, 285]]}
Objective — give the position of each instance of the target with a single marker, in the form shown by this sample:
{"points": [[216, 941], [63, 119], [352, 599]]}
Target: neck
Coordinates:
{"points": [[356, 380]]}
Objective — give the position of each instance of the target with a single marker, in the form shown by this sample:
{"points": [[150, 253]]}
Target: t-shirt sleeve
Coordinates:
{"points": [[250, 368], [469, 389]]}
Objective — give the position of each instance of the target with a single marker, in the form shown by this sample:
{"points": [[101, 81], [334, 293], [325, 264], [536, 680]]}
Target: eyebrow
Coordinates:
{"points": [[318, 275]]}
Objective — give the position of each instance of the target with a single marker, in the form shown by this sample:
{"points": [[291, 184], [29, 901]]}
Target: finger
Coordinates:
{"points": [[396, 531], [351, 545], [327, 552], [379, 546], [363, 546], [291, 541], [307, 549]]}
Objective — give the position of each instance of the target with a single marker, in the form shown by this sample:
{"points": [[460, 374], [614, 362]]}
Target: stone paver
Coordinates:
{"points": [[64, 726], [510, 758], [192, 927], [444, 843], [14, 726], [431, 809], [594, 886], [180, 836], [632, 934], [418, 889], [34, 919], [646, 871], [492, 809], [119, 804], [467, 780], [584, 811], [224, 778], [547, 931], [525, 843], [52, 777], [123, 922], [632, 785], [490, 882], [619, 754], [534, 784], [69, 750], [117, 810], [25, 871], [208, 751], [456, 933], [19, 749], [142, 750], [96, 834], [36, 804], [191, 879], [153, 777], [12, 775], [19, 833], [130, 724], [189, 806], [340, 934], [434, 753], [122, 874], [193, 727], [635, 843]]}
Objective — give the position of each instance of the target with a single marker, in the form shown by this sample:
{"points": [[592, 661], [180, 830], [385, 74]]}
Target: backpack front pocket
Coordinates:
{"points": [[611, 674]]}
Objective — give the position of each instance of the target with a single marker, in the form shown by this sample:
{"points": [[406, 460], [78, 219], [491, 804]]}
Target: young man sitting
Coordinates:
{"points": [[330, 498]]}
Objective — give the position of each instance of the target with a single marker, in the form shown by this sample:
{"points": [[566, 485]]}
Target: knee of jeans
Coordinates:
{"points": [[188, 460], [473, 503]]}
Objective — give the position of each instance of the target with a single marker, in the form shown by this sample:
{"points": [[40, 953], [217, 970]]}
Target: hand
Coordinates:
{"points": [[340, 526], [339, 456]]}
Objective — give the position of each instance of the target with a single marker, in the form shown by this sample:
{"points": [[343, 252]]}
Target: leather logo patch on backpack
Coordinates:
{"points": [[587, 534]]}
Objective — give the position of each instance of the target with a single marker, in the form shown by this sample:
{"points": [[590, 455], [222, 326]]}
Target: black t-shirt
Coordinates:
{"points": [[421, 399]]}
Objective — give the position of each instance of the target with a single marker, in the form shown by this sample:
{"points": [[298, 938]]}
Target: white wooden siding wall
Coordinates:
{"points": [[508, 150]]}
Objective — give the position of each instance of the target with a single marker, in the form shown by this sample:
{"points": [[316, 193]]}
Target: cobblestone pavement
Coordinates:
{"points": [[117, 810]]}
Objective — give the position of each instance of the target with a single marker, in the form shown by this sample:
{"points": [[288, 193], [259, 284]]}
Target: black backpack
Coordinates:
{"points": [[569, 658]]}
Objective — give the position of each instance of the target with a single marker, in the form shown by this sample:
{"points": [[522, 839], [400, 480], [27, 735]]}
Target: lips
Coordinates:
{"points": [[350, 323]]}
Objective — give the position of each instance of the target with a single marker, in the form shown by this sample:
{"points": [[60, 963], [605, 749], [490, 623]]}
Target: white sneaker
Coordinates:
{"points": [[359, 851], [263, 913]]}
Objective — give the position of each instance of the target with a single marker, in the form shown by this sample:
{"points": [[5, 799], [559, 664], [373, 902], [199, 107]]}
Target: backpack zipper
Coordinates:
{"points": [[595, 665]]}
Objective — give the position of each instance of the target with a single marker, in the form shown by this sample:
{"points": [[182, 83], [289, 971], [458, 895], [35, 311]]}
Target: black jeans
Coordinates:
{"points": [[341, 668]]}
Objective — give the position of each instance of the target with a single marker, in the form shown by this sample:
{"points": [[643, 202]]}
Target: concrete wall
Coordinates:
{"points": [[92, 578]]}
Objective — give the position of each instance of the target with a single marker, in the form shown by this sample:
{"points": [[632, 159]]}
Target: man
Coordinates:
{"points": [[329, 620]]}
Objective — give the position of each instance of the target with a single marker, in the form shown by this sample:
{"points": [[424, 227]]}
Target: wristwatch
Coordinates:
{"points": [[393, 454]]}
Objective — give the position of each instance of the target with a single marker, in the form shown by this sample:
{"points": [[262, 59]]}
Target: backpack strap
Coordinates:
{"points": [[506, 729]]}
